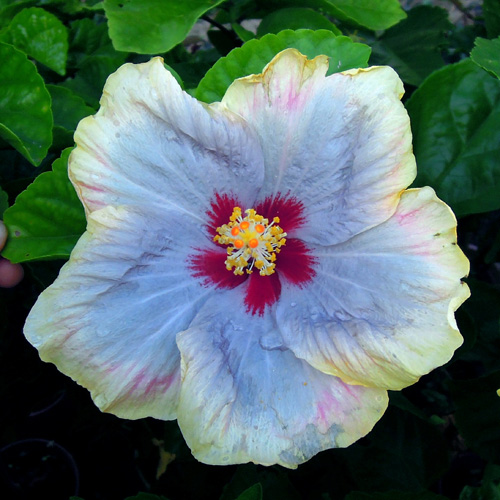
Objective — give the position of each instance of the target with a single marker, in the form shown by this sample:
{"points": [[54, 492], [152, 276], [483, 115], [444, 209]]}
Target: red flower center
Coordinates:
{"points": [[253, 242]]}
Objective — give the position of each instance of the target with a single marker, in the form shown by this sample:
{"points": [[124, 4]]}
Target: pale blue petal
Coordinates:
{"points": [[246, 397]]}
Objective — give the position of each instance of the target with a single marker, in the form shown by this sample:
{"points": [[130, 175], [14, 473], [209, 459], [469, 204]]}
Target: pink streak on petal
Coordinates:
{"points": [[328, 407], [407, 218], [91, 188]]}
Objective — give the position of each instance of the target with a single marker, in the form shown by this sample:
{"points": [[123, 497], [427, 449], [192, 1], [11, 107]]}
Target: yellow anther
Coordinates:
{"points": [[251, 242]]}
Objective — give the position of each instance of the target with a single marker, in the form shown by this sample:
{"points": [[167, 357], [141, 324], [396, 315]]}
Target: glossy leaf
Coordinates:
{"points": [[412, 47], [455, 118], [486, 54], [255, 54], [375, 15], [478, 413], [152, 26], [491, 10], [47, 219], [41, 35], [25, 114], [295, 18]]}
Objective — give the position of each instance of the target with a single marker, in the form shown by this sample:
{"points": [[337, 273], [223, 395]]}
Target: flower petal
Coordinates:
{"points": [[380, 311], [109, 320], [340, 144], [152, 143], [244, 397]]}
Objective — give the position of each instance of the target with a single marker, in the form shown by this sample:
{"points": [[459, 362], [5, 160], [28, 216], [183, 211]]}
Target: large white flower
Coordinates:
{"points": [[255, 267]]}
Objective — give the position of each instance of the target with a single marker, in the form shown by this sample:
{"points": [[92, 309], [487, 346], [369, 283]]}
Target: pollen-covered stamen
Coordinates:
{"points": [[252, 242]]}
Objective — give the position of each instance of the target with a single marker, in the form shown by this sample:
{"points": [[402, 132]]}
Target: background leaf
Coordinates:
{"points": [[152, 26], [412, 47], [68, 109], [89, 80], [486, 54], [41, 35], [25, 114], [47, 219], [491, 9], [455, 118], [255, 54], [375, 15], [294, 18]]}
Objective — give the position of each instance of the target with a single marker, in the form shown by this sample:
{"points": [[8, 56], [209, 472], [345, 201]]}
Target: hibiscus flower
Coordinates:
{"points": [[256, 267]]}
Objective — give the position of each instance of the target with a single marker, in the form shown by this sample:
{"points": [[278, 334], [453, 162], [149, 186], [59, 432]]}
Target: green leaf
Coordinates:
{"points": [[478, 413], [491, 11], [375, 15], [25, 114], [47, 219], [295, 18], [89, 80], [455, 118], [243, 34], [152, 26], [88, 38], [486, 54], [251, 57], [252, 493], [4, 201], [394, 495], [9, 9], [40, 35], [68, 109], [412, 47]]}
